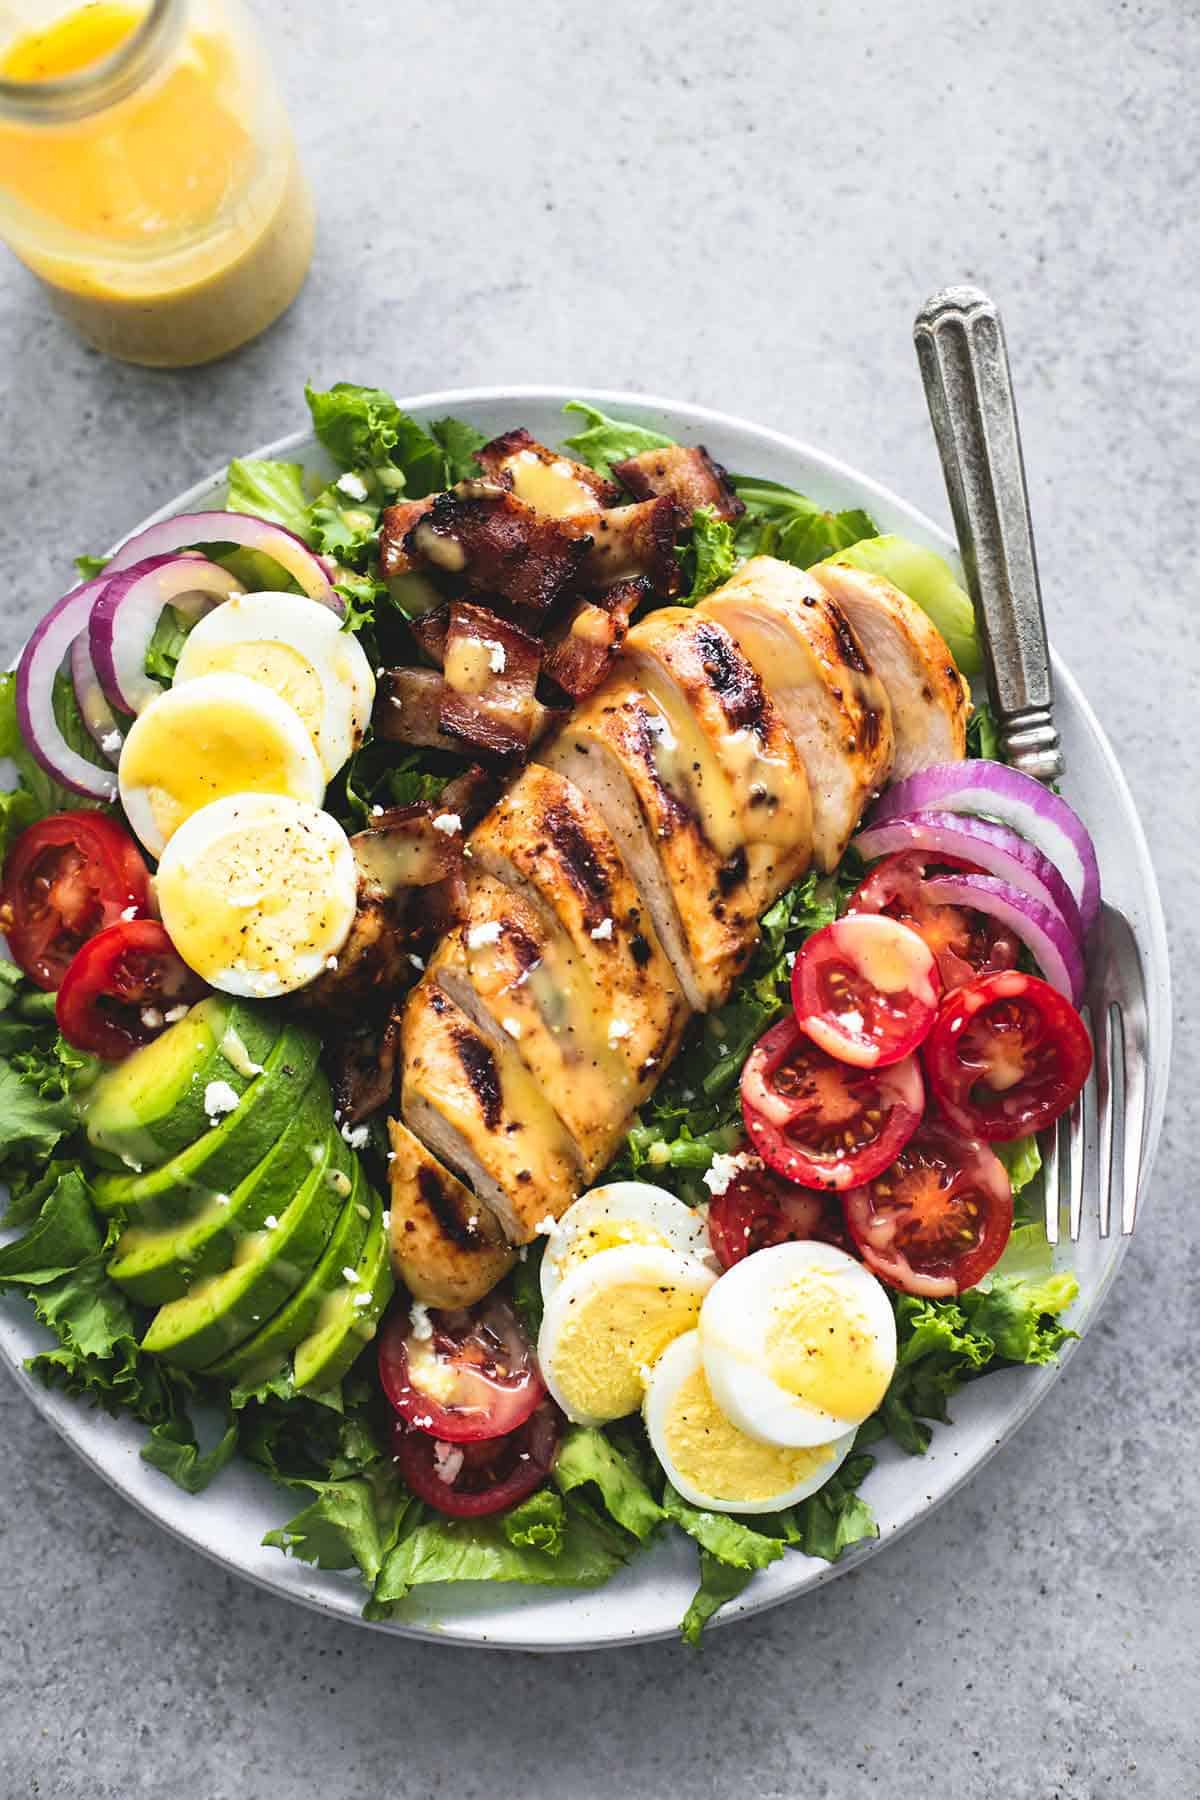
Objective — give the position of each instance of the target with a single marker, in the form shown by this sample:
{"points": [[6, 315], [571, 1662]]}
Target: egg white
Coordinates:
{"points": [[754, 1299], [623, 1212], [258, 893], [217, 735], [709, 1460], [608, 1321], [297, 648]]}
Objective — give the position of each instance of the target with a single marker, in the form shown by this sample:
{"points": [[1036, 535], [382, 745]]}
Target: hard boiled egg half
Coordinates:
{"points": [[619, 1214], [799, 1344], [257, 891], [709, 1460], [297, 649]]}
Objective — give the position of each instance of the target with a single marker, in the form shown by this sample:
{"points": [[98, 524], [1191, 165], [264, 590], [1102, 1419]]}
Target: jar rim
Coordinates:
{"points": [[68, 98]]}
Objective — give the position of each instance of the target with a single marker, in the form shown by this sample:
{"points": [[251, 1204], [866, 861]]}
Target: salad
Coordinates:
{"points": [[531, 1003]]}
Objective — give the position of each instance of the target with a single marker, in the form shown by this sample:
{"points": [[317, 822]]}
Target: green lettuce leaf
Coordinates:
{"points": [[525, 1285], [711, 557], [37, 793], [460, 442], [1023, 1160], [719, 1582], [538, 1523], [30, 1125], [982, 736], [172, 1449], [363, 429], [269, 490], [91, 566], [780, 522], [352, 1523], [722, 1534], [165, 648], [382, 774], [604, 441], [588, 1461], [1021, 1318], [836, 1516]]}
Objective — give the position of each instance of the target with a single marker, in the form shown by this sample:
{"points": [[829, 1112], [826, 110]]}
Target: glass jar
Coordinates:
{"points": [[148, 174]]}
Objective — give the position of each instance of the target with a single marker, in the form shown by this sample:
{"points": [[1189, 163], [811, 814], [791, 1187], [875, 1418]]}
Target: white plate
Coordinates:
{"points": [[648, 1599]]}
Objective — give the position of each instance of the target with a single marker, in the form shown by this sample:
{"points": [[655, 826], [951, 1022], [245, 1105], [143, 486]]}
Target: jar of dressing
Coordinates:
{"points": [[148, 174]]}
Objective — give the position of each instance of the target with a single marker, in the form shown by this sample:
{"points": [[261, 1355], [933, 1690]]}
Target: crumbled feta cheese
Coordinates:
{"points": [[377, 812], [350, 1276], [340, 1182], [659, 1154], [450, 823], [353, 486], [420, 1324], [111, 743], [724, 1168], [618, 1029], [545, 1226], [331, 962], [152, 1018], [387, 1219], [363, 1298], [130, 1164], [173, 1014], [448, 1460], [512, 1026], [221, 1199], [416, 961], [479, 935], [473, 1222], [496, 657], [603, 931], [271, 1222], [363, 1211], [357, 1136], [219, 1098], [131, 912]]}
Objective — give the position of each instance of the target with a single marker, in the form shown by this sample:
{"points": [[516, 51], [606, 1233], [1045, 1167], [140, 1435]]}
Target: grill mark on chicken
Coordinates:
{"points": [[479, 1067], [732, 874], [847, 642], [640, 950], [441, 1204], [579, 860], [733, 681]]}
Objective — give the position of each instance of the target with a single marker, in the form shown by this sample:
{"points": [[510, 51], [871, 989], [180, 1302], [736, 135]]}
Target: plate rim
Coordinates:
{"points": [[1036, 1382]]}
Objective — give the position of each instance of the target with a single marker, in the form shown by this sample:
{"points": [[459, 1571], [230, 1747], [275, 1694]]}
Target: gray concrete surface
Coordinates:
{"points": [[741, 206]]}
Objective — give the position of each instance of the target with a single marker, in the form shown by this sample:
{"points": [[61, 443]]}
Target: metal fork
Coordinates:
{"points": [[968, 386]]}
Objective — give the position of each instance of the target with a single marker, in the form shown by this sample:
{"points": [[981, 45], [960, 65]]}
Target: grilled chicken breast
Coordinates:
{"points": [[548, 845], [834, 706], [514, 974], [477, 1107], [929, 698], [446, 1247]]}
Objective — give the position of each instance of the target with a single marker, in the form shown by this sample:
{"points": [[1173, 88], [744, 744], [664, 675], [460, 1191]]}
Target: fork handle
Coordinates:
{"points": [[968, 386]]}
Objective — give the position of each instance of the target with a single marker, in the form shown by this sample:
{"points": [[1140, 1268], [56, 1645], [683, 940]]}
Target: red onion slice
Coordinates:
{"points": [[40, 662], [1015, 799], [1042, 929], [994, 848], [289, 551], [103, 725], [129, 608]]}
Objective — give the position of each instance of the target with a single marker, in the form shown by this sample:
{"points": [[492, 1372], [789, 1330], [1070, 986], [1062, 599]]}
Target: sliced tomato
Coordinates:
{"points": [[118, 989], [866, 989], [470, 1480], [938, 1219], [1008, 1056], [66, 878], [821, 1122], [967, 944], [759, 1208], [476, 1376]]}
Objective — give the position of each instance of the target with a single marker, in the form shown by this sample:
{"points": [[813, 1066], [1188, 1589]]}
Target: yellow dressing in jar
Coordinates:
{"points": [[148, 176]]}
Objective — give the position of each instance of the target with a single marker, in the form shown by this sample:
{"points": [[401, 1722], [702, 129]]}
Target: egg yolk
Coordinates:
{"points": [[610, 1337], [610, 1234], [820, 1347], [217, 751], [273, 665], [710, 1452]]}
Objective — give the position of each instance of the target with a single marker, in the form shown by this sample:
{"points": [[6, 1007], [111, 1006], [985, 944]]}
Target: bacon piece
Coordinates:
{"points": [[491, 670], [580, 651], [408, 708], [632, 541], [404, 849], [394, 526], [500, 546], [568, 488], [363, 1070], [690, 477], [430, 632], [470, 795]]}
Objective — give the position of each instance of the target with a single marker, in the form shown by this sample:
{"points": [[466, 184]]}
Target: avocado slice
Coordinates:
{"points": [[264, 1354], [224, 1153], [148, 1108], [344, 1328], [154, 1261], [223, 1310]]}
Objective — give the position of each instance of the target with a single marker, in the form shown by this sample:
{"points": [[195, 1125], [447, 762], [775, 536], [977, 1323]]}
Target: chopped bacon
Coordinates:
{"points": [[503, 457], [581, 650], [430, 632], [408, 708], [690, 477], [363, 1074], [470, 795], [394, 526], [499, 546], [638, 540], [491, 670], [404, 849]]}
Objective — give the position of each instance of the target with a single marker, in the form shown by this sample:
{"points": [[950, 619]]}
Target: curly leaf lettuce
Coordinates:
{"points": [[604, 441], [363, 429], [587, 1461], [710, 558], [780, 522], [269, 490]]}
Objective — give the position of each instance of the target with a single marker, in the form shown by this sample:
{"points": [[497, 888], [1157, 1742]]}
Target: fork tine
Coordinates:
{"points": [[1076, 1124], [1051, 1176], [1134, 1050], [1102, 1041]]}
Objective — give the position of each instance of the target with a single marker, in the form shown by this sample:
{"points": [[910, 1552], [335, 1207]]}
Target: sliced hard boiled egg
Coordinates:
{"points": [[622, 1212], [218, 735], [709, 1460], [799, 1343], [297, 648], [258, 892], [609, 1319]]}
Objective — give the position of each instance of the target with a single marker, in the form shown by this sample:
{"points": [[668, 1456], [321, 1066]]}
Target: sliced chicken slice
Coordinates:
{"points": [[929, 698], [446, 1247], [478, 1108], [514, 974], [675, 789], [546, 843], [834, 706]]}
